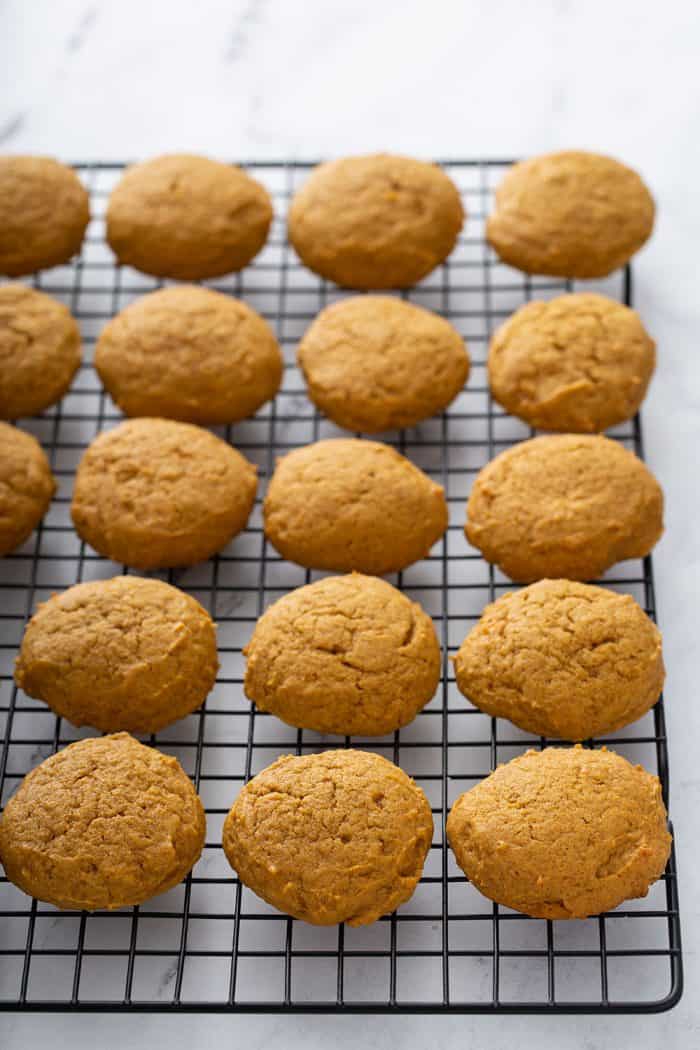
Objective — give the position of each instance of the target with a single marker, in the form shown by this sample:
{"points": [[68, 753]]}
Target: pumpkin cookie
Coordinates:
{"points": [[378, 221], [126, 653], [562, 833], [44, 211], [346, 654], [576, 363], [375, 363], [187, 217], [26, 486], [563, 659], [105, 823], [340, 836], [570, 214], [154, 493], [39, 351], [345, 505], [189, 353], [565, 506]]}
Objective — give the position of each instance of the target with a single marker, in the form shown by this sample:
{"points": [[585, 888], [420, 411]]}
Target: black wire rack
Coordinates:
{"points": [[210, 944]]}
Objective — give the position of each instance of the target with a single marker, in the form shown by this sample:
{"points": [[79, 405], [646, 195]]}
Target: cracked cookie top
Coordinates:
{"points": [[155, 493], [127, 653], [577, 363], [44, 211], [377, 221], [564, 506], [376, 363], [562, 659], [562, 833], [39, 351], [345, 504], [189, 353], [187, 217], [26, 486], [346, 654], [339, 836], [570, 214], [107, 822]]}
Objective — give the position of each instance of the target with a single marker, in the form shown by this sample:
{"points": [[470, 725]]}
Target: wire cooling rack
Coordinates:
{"points": [[210, 944]]}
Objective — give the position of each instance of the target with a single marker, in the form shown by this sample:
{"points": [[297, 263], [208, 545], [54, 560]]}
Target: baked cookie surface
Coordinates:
{"points": [[564, 506], [378, 221], [187, 217], [105, 823], [339, 836], [155, 493], [26, 486], [346, 654], [191, 354], [563, 659], [563, 833], [345, 504], [44, 211], [570, 214], [577, 363], [39, 351], [121, 654], [375, 363]]}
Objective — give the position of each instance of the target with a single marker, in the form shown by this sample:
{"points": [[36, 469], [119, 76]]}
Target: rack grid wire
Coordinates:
{"points": [[210, 944]]}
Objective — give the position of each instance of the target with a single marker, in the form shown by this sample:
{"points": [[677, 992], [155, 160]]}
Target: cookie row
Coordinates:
{"points": [[337, 836], [155, 493], [578, 363], [349, 655], [377, 221]]}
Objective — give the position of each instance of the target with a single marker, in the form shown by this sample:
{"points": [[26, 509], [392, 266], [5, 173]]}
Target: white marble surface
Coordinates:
{"points": [[272, 79]]}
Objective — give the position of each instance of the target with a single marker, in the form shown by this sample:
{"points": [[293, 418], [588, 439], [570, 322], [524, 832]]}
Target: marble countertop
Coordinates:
{"points": [[264, 78]]}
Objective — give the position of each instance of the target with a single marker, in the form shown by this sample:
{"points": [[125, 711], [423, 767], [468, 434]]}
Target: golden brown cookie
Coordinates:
{"points": [[105, 823], [375, 363], [378, 221], [566, 506], [187, 217], [39, 351], [346, 654], [576, 363], [563, 659], [345, 505], [570, 214], [340, 836], [126, 653], [44, 211], [154, 493], [562, 833], [26, 486], [189, 353]]}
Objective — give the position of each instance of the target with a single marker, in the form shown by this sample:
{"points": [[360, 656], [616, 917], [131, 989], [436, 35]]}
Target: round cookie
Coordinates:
{"points": [[562, 659], [154, 494], [126, 653], [576, 363], [375, 363], [26, 486], [39, 351], [570, 214], [378, 221], [345, 504], [566, 506], [346, 654], [563, 833], [105, 823], [44, 211], [189, 353], [187, 217], [340, 836]]}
